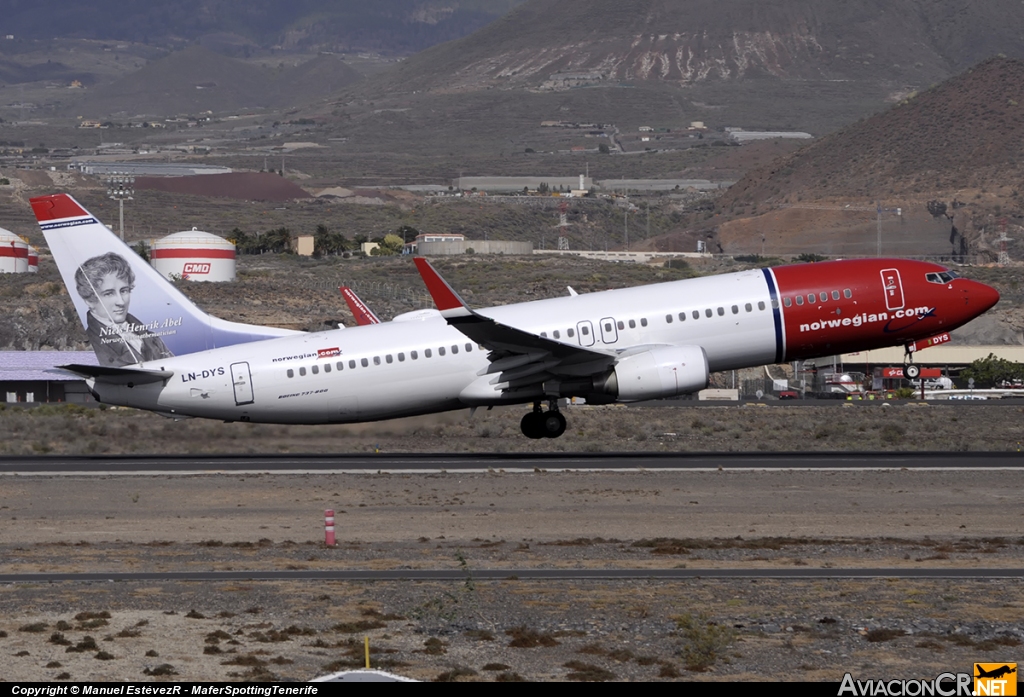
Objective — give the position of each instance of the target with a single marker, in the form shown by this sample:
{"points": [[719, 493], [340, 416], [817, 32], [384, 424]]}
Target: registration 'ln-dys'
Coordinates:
{"points": [[157, 351]]}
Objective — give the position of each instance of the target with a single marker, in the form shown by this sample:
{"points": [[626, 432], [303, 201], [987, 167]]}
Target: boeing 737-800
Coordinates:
{"points": [[623, 345]]}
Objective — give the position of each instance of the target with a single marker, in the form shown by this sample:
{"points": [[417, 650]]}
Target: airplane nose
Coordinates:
{"points": [[982, 297]]}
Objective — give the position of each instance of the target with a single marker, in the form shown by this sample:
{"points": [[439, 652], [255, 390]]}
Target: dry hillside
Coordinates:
{"points": [[196, 79], [706, 40]]}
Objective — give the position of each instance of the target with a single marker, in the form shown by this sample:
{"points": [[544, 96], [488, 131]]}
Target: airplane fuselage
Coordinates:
{"points": [[395, 369]]}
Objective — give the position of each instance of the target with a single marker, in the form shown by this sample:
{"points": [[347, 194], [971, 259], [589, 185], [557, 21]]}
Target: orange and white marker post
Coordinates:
{"points": [[329, 528]]}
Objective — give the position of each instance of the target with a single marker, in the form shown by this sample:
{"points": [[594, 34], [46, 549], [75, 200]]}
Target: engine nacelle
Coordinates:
{"points": [[663, 371]]}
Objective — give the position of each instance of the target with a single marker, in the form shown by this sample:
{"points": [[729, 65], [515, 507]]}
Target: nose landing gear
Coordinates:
{"points": [[910, 371], [543, 424]]}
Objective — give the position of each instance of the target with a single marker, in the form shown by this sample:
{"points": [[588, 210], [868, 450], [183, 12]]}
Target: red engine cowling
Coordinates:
{"points": [[663, 371]]}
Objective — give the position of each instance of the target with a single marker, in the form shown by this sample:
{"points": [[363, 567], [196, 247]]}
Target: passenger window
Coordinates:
{"points": [[376, 360], [696, 314], [302, 372], [570, 332], [440, 351], [708, 312], [316, 370], [847, 293], [643, 321], [632, 324], [363, 362], [427, 353], [327, 367], [543, 334], [585, 329], [775, 303], [810, 298], [785, 301], [557, 334], [388, 358], [823, 297], [620, 325], [455, 349], [682, 316], [748, 307], [607, 326], [414, 355], [835, 295], [291, 373], [668, 319], [721, 311], [401, 357], [469, 347], [799, 300], [352, 364], [735, 309], [760, 304], [341, 365]]}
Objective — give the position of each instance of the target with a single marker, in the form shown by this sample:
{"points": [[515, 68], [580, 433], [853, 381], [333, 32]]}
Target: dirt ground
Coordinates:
{"points": [[699, 629], [871, 427]]}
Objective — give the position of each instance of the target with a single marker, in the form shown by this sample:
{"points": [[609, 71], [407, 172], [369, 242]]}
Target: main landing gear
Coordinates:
{"points": [[543, 424]]}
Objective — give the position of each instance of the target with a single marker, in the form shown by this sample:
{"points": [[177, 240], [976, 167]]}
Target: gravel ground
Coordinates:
{"points": [[699, 629]]}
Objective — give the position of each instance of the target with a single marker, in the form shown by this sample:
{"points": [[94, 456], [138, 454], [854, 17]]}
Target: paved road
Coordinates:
{"points": [[517, 574], [286, 464]]}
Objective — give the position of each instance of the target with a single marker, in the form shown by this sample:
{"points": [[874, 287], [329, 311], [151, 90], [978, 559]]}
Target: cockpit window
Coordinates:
{"points": [[941, 277]]}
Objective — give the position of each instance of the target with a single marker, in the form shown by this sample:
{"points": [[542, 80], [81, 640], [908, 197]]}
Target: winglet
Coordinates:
{"points": [[363, 314], [446, 299], [56, 207]]}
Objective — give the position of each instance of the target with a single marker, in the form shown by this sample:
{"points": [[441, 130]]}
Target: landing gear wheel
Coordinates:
{"points": [[553, 424], [532, 425], [912, 371]]}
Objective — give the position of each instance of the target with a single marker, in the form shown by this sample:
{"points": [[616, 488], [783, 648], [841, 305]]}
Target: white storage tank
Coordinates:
{"points": [[13, 253], [33, 259], [194, 255]]}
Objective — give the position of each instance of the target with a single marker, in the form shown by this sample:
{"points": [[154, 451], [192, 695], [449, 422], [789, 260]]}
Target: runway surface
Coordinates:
{"points": [[519, 462], [515, 574]]}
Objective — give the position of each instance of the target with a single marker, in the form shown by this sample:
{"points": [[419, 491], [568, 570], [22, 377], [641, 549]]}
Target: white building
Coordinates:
{"points": [[194, 255]]}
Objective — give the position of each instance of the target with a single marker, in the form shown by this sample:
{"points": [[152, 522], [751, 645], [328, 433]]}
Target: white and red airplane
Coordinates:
{"points": [[641, 343]]}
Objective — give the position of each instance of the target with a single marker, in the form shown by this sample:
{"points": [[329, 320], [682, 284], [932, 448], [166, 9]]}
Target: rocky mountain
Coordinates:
{"points": [[235, 26], [576, 43], [944, 166], [965, 133]]}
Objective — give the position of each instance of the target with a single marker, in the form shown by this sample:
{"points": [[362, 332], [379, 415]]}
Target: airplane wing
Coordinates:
{"points": [[522, 358], [363, 314]]}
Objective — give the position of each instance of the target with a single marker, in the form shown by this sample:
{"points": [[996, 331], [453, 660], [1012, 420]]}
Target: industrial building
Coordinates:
{"points": [[28, 377], [13, 253], [194, 255]]}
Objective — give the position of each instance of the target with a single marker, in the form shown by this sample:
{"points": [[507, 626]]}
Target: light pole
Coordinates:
{"points": [[121, 187]]}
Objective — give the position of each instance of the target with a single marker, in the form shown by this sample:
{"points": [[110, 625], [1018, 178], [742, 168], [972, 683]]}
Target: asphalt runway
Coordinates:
{"points": [[515, 574], [490, 462]]}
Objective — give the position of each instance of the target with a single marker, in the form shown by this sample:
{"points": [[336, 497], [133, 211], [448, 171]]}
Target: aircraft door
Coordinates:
{"points": [[893, 287], [585, 333], [242, 382], [609, 334]]}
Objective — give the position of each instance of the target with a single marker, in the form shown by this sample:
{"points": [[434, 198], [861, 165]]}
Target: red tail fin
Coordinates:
{"points": [[362, 313]]}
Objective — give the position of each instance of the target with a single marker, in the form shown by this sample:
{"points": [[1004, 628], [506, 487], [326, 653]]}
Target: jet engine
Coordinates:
{"points": [[663, 371]]}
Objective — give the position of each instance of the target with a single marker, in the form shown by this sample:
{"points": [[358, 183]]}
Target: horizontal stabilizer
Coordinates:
{"points": [[118, 376]]}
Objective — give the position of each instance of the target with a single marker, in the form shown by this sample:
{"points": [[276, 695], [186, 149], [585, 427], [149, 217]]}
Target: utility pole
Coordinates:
{"points": [[121, 187], [626, 219]]}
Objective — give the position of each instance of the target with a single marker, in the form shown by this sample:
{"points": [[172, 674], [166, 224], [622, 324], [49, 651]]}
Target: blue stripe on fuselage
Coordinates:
{"points": [[776, 313]]}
